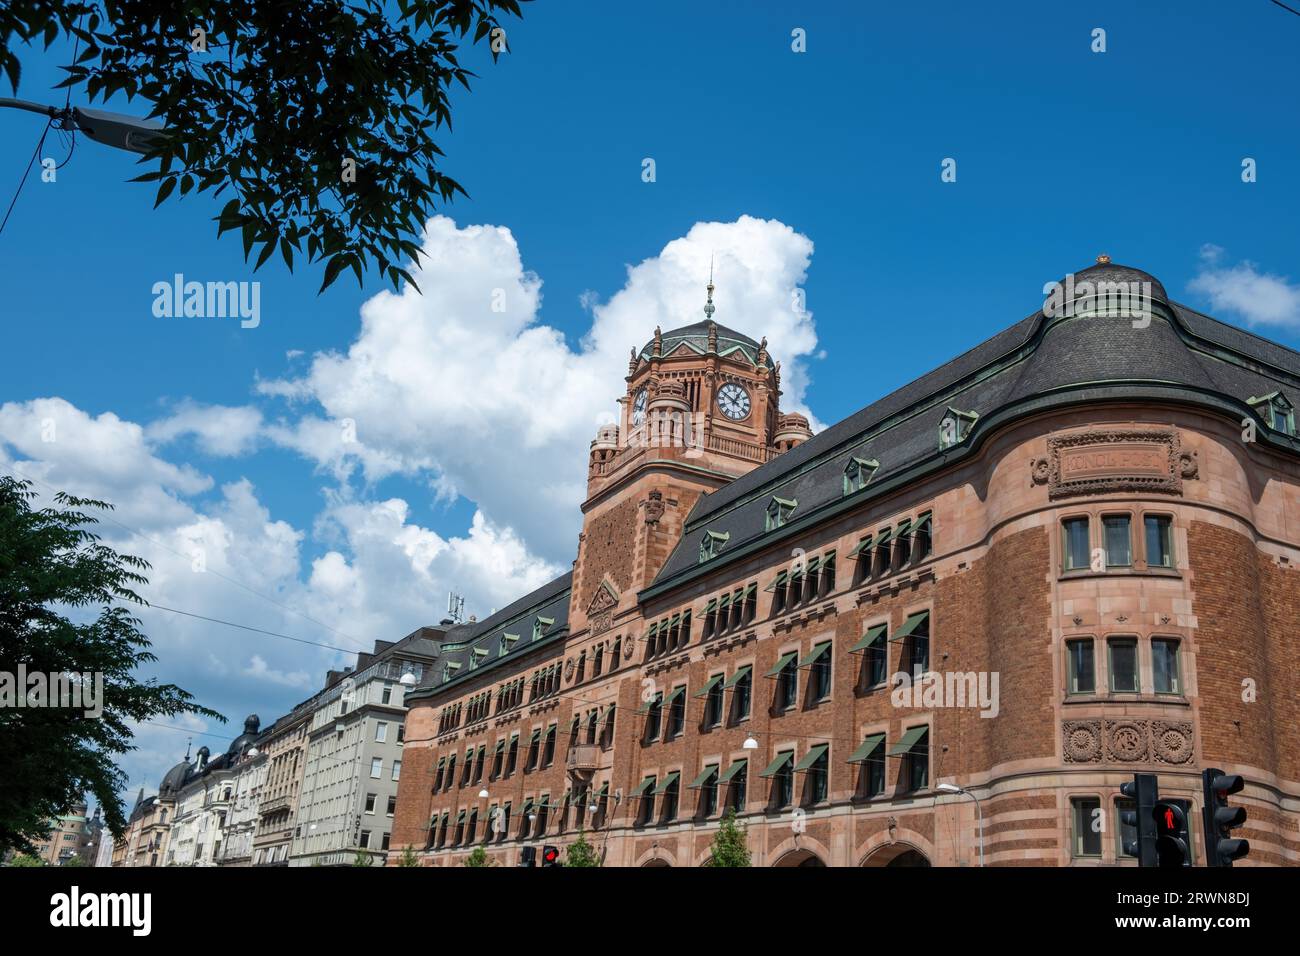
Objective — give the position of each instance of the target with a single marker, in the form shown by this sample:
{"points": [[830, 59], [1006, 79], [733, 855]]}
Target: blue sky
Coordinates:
{"points": [[1061, 153]]}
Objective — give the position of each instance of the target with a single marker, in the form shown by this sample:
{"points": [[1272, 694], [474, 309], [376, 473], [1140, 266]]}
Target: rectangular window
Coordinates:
{"points": [[1086, 815], [385, 840], [713, 703], [397, 770], [1124, 832], [709, 792], [677, 713], [365, 839], [653, 717], [1119, 544], [370, 802], [1075, 540], [1164, 666], [1123, 665], [376, 767], [818, 778], [917, 764], [392, 805], [875, 771], [743, 695], [783, 782], [1160, 541], [739, 786], [670, 794], [787, 685], [1083, 679], [820, 678], [548, 756], [646, 807], [381, 731]]}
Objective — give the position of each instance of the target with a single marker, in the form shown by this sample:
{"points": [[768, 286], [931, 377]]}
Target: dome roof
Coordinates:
{"points": [[696, 337], [174, 779], [245, 740], [1105, 271]]}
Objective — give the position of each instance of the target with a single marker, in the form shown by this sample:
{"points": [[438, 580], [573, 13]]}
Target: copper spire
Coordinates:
{"points": [[708, 305]]}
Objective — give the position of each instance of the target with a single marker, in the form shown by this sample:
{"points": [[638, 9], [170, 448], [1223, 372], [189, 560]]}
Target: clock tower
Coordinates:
{"points": [[701, 408]]}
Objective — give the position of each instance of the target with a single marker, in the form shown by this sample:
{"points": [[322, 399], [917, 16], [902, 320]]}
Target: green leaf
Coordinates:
{"points": [[332, 270], [164, 191]]}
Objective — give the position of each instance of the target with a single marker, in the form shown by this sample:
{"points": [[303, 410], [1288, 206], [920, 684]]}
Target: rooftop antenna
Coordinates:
{"points": [[188, 741], [708, 306], [455, 606]]}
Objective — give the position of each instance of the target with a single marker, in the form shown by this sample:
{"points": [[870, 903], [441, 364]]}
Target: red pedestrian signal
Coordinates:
{"points": [[550, 856], [1173, 841]]}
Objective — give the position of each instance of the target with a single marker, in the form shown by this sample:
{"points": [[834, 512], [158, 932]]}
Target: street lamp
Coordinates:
{"points": [[131, 133], [750, 744], [483, 794], [950, 788], [407, 679]]}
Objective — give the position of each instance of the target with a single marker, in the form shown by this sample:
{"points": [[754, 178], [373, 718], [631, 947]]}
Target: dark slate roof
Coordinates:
{"points": [[1037, 363], [551, 600], [696, 337]]}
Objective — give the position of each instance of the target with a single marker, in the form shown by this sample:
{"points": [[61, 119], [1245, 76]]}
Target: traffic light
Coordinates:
{"points": [[1144, 793], [1220, 848], [528, 856], [1173, 841], [550, 856]]}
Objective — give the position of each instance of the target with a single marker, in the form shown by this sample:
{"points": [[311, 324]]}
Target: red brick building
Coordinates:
{"points": [[1087, 529]]}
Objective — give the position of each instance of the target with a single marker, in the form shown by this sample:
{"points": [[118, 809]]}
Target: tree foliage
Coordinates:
{"points": [[274, 103], [581, 853], [730, 843], [54, 568], [478, 857], [408, 858]]}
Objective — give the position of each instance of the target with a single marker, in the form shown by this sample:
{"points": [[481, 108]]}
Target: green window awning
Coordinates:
{"points": [[703, 779], [734, 769], [501, 745], [862, 547], [677, 619], [604, 790], [922, 523], [776, 766], [903, 527], [829, 557], [651, 633], [710, 684], [643, 786], [813, 656], [544, 803], [668, 781], [813, 564], [442, 762], [884, 536], [913, 622], [908, 742], [812, 756], [460, 818], [677, 692], [780, 580], [573, 724], [537, 735], [446, 818], [654, 701], [514, 736], [870, 744], [780, 665], [711, 606], [874, 637], [737, 677], [725, 602]]}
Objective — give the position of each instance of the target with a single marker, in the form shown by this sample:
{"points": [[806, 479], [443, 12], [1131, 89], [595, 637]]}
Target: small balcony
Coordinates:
{"points": [[582, 759]]}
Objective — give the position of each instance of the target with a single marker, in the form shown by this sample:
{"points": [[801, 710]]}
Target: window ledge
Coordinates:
{"points": [[1126, 697], [1129, 572]]}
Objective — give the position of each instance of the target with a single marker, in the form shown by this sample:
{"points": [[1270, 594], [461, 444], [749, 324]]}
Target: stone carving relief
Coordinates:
{"points": [[600, 612], [1108, 460], [1127, 740], [654, 507]]}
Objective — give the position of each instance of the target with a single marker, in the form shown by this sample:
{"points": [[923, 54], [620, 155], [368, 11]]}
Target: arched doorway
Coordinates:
{"points": [[656, 861], [800, 858], [898, 854]]}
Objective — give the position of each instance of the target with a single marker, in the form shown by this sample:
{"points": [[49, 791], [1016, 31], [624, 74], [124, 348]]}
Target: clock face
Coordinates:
{"points": [[734, 401], [638, 408]]}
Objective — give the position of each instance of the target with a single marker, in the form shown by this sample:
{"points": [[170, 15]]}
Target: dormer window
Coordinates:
{"points": [[955, 426], [857, 473], [1277, 412], [476, 656], [540, 625], [507, 642], [779, 511], [449, 670], [712, 544]]}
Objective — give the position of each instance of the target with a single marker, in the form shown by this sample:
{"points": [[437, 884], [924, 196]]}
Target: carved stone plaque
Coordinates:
{"points": [[1097, 462]]}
